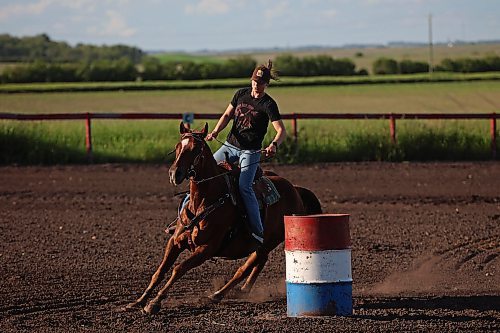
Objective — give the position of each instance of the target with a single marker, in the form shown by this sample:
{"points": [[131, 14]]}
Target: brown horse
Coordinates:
{"points": [[205, 232]]}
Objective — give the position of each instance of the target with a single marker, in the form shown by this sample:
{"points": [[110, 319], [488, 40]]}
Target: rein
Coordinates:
{"points": [[195, 219], [224, 173], [236, 148]]}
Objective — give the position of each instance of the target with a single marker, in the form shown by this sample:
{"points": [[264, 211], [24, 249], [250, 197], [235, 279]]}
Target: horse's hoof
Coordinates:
{"points": [[151, 308], [132, 307], [215, 298]]}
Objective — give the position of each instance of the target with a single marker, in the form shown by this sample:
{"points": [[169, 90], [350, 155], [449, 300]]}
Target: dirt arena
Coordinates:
{"points": [[79, 242]]}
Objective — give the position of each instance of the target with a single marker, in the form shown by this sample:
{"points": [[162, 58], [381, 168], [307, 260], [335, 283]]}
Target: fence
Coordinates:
{"points": [[294, 117]]}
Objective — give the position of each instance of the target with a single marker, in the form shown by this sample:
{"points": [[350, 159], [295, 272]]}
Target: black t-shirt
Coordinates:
{"points": [[251, 118]]}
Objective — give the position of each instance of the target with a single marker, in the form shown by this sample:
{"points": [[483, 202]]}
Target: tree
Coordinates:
{"points": [[385, 66], [410, 67], [152, 69]]}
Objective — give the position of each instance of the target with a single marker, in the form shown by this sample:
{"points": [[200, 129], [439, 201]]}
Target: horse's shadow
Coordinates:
{"points": [[412, 307]]}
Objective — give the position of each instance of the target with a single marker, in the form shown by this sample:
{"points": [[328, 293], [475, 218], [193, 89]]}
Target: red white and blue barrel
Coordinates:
{"points": [[318, 265]]}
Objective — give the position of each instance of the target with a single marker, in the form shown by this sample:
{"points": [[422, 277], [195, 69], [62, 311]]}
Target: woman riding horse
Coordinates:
{"points": [[251, 109], [215, 216]]}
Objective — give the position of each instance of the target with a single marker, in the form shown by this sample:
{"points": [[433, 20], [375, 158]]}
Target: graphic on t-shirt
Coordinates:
{"points": [[244, 114]]}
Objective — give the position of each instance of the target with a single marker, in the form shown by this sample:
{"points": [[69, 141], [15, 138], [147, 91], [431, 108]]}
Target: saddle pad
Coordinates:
{"points": [[268, 192]]}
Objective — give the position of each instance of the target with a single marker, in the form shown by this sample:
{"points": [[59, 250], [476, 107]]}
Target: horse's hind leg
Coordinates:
{"points": [[171, 254], [256, 259], [247, 287]]}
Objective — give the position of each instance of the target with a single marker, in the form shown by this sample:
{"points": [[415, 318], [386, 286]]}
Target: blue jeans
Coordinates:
{"points": [[249, 162]]}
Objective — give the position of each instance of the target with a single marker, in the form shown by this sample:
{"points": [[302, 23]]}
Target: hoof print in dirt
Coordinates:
{"points": [[214, 298]]}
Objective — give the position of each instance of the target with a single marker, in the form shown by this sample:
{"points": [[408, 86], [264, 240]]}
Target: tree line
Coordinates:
{"points": [[152, 68], [44, 60], [125, 70], [489, 63], [42, 48]]}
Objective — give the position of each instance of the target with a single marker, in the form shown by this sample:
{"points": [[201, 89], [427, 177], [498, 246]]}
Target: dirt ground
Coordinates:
{"points": [[79, 242]]}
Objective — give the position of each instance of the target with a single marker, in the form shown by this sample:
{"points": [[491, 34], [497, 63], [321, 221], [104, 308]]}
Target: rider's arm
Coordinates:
{"points": [[223, 121], [278, 139], [280, 131]]}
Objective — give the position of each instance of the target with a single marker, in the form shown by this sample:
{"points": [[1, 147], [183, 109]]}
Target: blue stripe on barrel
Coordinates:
{"points": [[319, 299], [318, 265]]}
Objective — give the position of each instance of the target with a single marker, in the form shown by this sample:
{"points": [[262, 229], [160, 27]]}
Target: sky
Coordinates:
{"points": [[220, 25]]}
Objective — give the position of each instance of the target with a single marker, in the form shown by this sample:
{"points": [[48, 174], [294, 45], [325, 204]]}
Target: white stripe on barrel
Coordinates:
{"points": [[318, 266]]}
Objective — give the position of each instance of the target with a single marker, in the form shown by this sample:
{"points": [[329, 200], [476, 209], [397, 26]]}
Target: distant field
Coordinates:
{"points": [[362, 57], [370, 54], [421, 78], [167, 57], [473, 97]]}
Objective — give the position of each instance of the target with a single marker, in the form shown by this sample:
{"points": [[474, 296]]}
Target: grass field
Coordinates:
{"points": [[57, 87], [319, 140], [474, 97]]}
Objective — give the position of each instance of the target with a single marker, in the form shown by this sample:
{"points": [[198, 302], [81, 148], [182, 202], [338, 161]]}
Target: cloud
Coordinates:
{"points": [[278, 10], [392, 2], [329, 13], [212, 7], [116, 26], [15, 10], [11, 11]]}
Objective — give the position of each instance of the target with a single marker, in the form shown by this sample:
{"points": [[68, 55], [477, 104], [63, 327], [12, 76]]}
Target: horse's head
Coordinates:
{"points": [[188, 154]]}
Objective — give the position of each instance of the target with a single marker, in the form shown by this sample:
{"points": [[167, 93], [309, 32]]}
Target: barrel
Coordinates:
{"points": [[318, 265]]}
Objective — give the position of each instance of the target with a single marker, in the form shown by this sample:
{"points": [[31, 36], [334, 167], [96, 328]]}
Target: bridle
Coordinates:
{"points": [[191, 172]]}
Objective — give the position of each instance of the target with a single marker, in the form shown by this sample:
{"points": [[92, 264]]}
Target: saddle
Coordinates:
{"points": [[264, 189]]}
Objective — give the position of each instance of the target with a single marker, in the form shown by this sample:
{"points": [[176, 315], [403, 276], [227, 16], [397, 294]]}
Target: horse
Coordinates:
{"points": [[205, 233]]}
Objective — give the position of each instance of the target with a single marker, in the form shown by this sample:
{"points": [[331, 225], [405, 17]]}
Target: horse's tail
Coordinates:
{"points": [[310, 200]]}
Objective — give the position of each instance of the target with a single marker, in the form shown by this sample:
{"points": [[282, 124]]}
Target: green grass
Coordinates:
{"points": [[369, 140], [446, 97], [319, 141], [235, 83]]}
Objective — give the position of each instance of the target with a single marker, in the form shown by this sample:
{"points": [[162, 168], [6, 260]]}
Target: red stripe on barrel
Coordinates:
{"points": [[317, 232]]}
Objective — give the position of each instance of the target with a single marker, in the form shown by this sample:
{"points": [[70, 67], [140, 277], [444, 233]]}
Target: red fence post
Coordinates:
{"points": [[88, 137], [493, 131], [294, 126], [392, 124]]}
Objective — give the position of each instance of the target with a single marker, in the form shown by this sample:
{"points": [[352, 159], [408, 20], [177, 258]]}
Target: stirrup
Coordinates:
{"points": [[259, 239]]}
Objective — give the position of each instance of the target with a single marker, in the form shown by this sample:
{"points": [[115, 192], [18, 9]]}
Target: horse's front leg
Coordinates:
{"points": [[199, 256], [172, 252]]}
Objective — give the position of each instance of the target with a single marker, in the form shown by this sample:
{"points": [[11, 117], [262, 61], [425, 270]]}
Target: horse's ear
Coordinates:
{"points": [[204, 132], [182, 128]]}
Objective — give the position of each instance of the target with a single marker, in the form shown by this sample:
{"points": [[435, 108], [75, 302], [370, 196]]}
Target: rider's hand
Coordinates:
{"points": [[271, 149], [212, 135]]}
